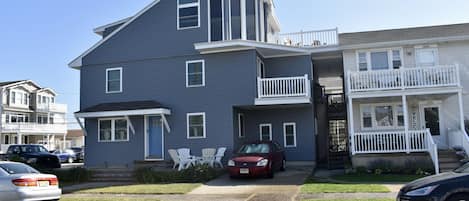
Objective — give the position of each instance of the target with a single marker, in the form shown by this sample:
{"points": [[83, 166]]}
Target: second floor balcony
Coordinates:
{"points": [[52, 107], [34, 128], [404, 78], [283, 90], [309, 39]]}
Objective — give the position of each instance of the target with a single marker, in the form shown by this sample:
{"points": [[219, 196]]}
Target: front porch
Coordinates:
{"points": [[407, 124]]}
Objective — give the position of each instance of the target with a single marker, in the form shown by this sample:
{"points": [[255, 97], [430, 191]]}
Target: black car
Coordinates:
{"points": [[450, 186], [79, 153], [34, 155]]}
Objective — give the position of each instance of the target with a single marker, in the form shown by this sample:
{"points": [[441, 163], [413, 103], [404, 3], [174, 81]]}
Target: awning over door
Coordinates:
{"points": [[124, 109]]}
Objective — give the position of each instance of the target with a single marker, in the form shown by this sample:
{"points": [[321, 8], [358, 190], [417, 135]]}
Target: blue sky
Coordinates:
{"points": [[39, 38]]}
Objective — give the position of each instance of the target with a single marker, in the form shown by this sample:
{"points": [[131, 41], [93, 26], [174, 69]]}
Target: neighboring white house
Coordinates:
{"points": [[30, 115], [75, 138]]}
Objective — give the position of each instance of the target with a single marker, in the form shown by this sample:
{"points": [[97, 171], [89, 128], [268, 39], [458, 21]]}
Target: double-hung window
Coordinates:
{"points": [[195, 73], [196, 125], [378, 116], [113, 80], [386, 59], [265, 132], [426, 57], [188, 14], [113, 130], [289, 134]]}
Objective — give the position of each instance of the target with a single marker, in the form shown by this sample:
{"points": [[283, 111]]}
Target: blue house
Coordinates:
{"points": [[202, 74]]}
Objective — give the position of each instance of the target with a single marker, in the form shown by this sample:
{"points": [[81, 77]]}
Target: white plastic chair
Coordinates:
{"points": [[185, 158], [174, 156], [219, 156], [208, 156]]}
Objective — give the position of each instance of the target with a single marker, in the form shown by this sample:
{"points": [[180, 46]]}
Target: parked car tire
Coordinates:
{"points": [[70, 160], [459, 197], [284, 165]]}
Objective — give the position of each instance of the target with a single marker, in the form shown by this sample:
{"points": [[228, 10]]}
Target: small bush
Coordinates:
{"points": [[195, 174], [378, 171], [74, 175], [361, 170], [384, 166]]}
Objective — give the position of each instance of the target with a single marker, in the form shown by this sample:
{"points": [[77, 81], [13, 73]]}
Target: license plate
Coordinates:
{"points": [[244, 171], [43, 183]]}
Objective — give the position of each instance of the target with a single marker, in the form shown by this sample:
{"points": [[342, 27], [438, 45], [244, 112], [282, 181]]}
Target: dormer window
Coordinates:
{"points": [[188, 14], [19, 98]]}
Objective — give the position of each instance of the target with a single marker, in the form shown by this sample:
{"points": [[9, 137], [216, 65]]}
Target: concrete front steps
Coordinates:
{"points": [[448, 160], [113, 175]]}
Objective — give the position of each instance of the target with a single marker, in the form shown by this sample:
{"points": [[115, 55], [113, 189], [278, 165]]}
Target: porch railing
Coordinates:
{"points": [[34, 128], [404, 78], [284, 87], [53, 107], [319, 38], [395, 142]]}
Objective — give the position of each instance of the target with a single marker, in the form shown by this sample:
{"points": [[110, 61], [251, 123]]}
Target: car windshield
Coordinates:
{"points": [[18, 168], [462, 169], [33, 149], [255, 149]]}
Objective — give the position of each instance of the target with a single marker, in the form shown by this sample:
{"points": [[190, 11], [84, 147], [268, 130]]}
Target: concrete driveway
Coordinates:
{"points": [[284, 186]]}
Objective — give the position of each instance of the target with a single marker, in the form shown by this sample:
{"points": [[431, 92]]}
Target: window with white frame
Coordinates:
{"points": [[385, 59], [113, 80], [386, 115], [16, 118], [241, 126], [195, 73], [113, 130], [426, 57], [188, 14], [18, 97], [289, 132], [196, 125], [265, 132]]}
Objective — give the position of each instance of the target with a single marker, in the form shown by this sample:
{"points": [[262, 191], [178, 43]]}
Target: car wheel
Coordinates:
{"points": [[284, 165], [70, 160], [459, 197]]}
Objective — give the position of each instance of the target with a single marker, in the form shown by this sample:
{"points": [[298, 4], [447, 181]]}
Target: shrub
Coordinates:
{"points": [[378, 171], [74, 175], [194, 174], [361, 170], [384, 166]]}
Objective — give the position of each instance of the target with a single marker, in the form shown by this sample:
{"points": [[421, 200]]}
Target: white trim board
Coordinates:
{"points": [[100, 30], [123, 113], [78, 62], [285, 134], [270, 130]]}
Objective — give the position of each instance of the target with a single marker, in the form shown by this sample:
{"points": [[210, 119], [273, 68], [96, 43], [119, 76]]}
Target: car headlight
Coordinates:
{"points": [[262, 163], [421, 191], [31, 160], [231, 163]]}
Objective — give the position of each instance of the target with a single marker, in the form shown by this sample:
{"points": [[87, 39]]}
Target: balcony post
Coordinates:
{"points": [[20, 138], [401, 79], [259, 87], [307, 86], [351, 125], [461, 112], [406, 123], [458, 77]]}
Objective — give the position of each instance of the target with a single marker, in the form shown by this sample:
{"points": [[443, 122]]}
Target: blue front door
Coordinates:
{"points": [[155, 138]]}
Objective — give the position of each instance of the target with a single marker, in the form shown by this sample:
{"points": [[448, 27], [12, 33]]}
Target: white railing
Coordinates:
{"points": [[52, 107], [34, 128], [284, 87], [320, 38], [395, 142], [404, 78]]}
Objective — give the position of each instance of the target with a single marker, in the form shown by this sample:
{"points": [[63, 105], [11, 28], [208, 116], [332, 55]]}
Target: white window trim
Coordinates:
{"points": [[188, 5], [203, 73], [241, 133], [113, 129], [374, 125], [285, 134], [434, 48], [204, 123], [107, 80], [210, 21], [368, 57], [19, 93], [270, 130]]}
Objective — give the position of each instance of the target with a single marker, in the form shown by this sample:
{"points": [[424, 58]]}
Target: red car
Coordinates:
{"points": [[257, 159]]}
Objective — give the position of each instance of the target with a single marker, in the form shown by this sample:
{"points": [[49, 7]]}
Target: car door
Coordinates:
{"points": [[277, 156]]}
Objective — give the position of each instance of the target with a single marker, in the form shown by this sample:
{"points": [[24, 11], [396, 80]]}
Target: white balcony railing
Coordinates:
{"points": [[395, 142], [284, 87], [404, 78], [34, 128], [320, 38], [52, 107]]}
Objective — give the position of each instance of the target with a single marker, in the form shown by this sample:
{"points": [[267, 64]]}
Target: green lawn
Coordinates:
{"points": [[372, 178], [106, 199], [372, 199], [315, 186], [144, 189]]}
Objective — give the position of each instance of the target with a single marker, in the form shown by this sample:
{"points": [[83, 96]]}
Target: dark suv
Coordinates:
{"points": [[34, 155]]}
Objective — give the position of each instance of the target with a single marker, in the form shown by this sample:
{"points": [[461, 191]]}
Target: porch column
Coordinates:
{"points": [[461, 112], [351, 125], [20, 138], [406, 123], [64, 142], [48, 142]]}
